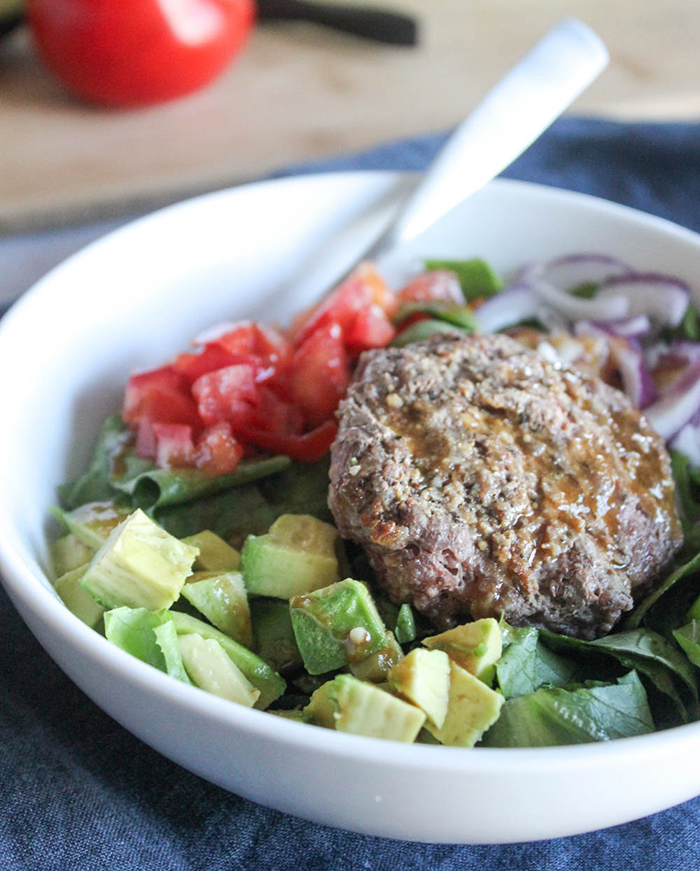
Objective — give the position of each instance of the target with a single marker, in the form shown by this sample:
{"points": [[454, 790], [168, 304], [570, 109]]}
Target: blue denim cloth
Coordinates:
{"points": [[78, 792]]}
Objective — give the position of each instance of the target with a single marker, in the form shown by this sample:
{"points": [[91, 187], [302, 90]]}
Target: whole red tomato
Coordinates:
{"points": [[137, 52]]}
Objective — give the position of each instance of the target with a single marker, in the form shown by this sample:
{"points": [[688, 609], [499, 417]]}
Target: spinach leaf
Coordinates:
{"points": [[689, 639], [577, 715], [96, 484], [687, 570], [526, 664]]}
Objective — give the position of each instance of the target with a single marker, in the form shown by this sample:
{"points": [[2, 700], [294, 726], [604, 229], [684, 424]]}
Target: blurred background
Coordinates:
{"points": [[294, 92]]}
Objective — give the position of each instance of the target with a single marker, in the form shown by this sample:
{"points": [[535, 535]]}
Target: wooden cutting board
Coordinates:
{"points": [[300, 92]]}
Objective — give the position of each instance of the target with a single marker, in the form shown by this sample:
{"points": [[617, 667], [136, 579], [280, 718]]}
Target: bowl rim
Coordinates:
{"points": [[23, 579]]}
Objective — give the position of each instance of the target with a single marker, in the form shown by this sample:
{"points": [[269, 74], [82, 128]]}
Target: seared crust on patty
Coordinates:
{"points": [[482, 480]]}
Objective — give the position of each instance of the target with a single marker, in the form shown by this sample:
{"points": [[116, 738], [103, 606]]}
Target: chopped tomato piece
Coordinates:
{"points": [[363, 288], [193, 365], [440, 284], [319, 374], [218, 451], [372, 329], [174, 445], [146, 441], [307, 448], [274, 415], [162, 405], [140, 385], [227, 394]]}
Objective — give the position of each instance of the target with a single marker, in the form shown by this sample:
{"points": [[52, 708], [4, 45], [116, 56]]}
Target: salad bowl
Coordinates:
{"points": [[135, 298]]}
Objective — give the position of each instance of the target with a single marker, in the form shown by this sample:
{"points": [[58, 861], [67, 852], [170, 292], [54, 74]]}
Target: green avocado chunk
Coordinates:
{"points": [[68, 553], [76, 599], [472, 709], [259, 673], [223, 600], [376, 667], [93, 522], [215, 554], [297, 555], [149, 636], [476, 647], [351, 705], [336, 625], [140, 565], [423, 677], [273, 634], [212, 669]]}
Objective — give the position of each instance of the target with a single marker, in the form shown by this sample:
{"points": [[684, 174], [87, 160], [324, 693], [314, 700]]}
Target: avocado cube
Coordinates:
{"points": [[351, 705], [297, 555], [76, 599], [223, 600], [215, 554], [140, 565], [336, 625], [257, 672], [68, 553], [273, 634], [423, 677], [376, 667], [211, 669], [93, 522], [472, 708], [476, 647]]}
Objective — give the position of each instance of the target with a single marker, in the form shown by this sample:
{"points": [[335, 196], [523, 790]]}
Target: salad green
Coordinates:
{"points": [[239, 584]]}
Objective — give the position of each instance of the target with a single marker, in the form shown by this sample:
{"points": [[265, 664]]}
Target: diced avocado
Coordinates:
{"points": [[476, 647], [223, 600], [211, 669], [68, 553], [273, 634], [423, 677], [259, 673], [144, 634], [93, 522], [405, 625], [336, 625], [215, 554], [376, 667], [472, 708], [296, 556], [76, 599], [140, 565], [351, 705]]}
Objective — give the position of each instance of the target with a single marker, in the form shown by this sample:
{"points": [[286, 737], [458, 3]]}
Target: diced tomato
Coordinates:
{"points": [[169, 406], [440, 284], [319, 374], [227, 394], [193, 365], [218, 452], [174, 445], [363, 288], [274, 415], [146, 442], [372, 329], [307, 448], [140, 385]]}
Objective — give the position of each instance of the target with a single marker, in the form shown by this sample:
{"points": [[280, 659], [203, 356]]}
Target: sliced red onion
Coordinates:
{"points": [[678, 405], [630, 328], [612, 308], [636, 378], [511, 306], [663, 298], [574, 269], [688, 441]]}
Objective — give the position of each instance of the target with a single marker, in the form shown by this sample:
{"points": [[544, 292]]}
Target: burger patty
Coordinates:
{"points": [[483, 480]]}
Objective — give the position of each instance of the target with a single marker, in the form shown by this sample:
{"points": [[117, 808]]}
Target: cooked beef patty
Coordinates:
{"points": [[482, 480]]}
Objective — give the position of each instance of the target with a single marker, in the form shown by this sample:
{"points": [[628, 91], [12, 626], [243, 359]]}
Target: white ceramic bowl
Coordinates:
{"points": [[139, 295]]}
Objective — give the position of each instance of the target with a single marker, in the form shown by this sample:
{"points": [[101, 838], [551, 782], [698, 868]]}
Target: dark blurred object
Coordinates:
{"points": [[11, 14], [378, 24]]}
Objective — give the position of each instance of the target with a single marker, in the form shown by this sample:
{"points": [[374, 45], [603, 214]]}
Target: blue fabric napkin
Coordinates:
{"points": [[78, 792]]}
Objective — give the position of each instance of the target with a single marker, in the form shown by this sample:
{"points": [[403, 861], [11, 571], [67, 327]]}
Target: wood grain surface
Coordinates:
{"points": [[300, 92]]}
